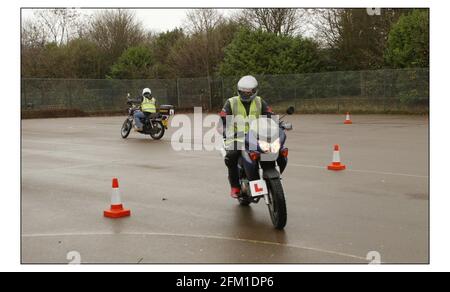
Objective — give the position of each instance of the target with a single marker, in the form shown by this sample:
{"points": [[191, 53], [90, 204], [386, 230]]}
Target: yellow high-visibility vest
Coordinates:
{"points": [[148, 105], [238, 109]]}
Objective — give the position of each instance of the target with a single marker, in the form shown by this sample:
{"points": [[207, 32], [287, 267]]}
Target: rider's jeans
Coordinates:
{"points": [[138, 115]]}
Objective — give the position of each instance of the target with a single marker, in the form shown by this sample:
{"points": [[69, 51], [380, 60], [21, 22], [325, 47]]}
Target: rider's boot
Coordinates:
{"points": [[235, 192]]}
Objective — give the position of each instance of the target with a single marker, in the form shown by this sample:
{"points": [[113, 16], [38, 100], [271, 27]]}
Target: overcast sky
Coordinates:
{"points": [[153, 19]]}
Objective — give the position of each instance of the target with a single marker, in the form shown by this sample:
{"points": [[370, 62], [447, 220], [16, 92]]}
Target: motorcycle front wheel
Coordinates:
{"points": [[159, 133], [277, 204], [126, 128]]}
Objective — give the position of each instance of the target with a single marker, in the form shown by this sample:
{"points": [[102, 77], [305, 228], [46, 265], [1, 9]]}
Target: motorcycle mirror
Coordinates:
{"points": [[290, 110]]}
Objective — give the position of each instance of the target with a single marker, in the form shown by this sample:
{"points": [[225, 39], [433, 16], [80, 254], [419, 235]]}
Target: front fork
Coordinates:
{"points": [[261, 175], [266, 196], [255, 170], [131, 119]]}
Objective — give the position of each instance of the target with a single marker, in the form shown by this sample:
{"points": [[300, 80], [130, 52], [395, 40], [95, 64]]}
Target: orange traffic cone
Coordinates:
{"points": [[117, 210], [336, 164], [348, 121]]}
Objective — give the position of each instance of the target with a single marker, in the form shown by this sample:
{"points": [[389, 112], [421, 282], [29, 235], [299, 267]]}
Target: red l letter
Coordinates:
{"points": [[258, 190]]}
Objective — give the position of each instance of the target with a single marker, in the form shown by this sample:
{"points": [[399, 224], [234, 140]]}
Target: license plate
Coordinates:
{"points": [[258, 188]]}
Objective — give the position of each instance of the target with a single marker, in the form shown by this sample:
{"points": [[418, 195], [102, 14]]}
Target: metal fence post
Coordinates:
{"points": [[361, 84], [111, 96], [338, 91], [178, 92], [24, 89], [210, 85], [70, 97], [223, 92], [384, 90]]}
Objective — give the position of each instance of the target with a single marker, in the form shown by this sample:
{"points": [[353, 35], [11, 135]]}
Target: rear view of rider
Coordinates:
{"points": [[246, 104], [148, 105]]}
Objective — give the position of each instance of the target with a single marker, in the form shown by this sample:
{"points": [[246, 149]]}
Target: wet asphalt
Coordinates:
{"points": [[181, 210]]}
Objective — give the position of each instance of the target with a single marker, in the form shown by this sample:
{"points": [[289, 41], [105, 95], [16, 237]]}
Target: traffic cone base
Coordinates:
{"points": [[117, 211], [334, 166], [347, 122]]}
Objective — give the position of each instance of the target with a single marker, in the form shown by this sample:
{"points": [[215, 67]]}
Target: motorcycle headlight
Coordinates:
{"points": [[275, 146], [265, 147]]}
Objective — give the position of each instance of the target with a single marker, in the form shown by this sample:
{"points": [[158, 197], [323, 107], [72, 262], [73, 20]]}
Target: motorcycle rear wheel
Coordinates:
{"points": [[158, 135], [277, 204]]}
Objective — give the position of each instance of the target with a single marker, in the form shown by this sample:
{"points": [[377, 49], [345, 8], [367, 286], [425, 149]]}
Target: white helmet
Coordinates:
{"points": [[146, 92], [247, 88]]}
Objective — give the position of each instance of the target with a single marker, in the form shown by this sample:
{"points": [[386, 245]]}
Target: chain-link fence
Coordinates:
{"points": [[404, 90]]}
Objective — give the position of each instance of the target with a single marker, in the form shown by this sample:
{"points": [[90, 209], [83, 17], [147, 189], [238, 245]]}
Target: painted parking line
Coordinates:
{"points": [[362, 171], [217, 157]]}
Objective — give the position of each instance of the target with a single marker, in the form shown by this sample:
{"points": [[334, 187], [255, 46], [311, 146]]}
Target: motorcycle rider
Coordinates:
{"points": [[148, 105], [246, 104]]}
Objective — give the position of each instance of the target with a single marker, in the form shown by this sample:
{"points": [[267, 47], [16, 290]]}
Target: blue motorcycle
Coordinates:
{"points": [[261, 166]]}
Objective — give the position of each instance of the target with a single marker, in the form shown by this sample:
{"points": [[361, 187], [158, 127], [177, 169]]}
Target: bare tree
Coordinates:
{"points": [[281, 21], [32, 42], [200, 52], [202, 20], [59, 25], [327, 24], [201, 23], [115, 30], [357, 39], [32, 35]]}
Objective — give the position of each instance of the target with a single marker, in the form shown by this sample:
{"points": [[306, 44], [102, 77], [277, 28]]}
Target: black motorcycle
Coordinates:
{"points": [[154, 124], [261, 166]]}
